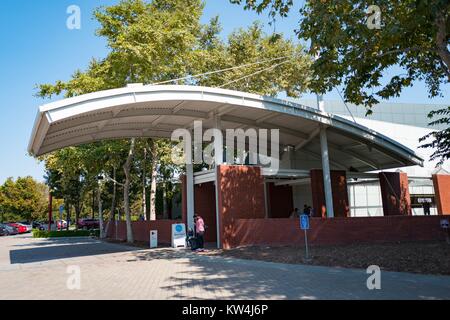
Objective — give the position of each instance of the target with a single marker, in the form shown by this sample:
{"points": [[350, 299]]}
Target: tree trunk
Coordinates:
{"points": [[77, 215], [441, 40], [93, 204], [144, 187], [100, 212], [126, 192], [68, 218], [67, 206], [112, 214], [166, 213], [153, 185]]}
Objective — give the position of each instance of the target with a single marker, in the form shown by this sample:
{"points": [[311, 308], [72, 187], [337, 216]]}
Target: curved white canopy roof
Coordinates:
{"points": [[156, 111]]}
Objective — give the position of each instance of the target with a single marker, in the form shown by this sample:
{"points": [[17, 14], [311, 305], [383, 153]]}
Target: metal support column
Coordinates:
{"points": [[190, 195], [326, 173], [218, 161]]}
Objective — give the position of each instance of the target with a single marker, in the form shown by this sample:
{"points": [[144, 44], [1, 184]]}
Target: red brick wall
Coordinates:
{"points": [[205, 206], [141, 230], [441, 184], [395, 193], [241, 196], [249, 232], [339, 190], [280, 201]]}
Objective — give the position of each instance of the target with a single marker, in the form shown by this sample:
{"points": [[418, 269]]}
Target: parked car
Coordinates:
{"points": [[27, 224], [87, 224], [3, 231], [10, 231], [20, 227], [43, 226], [61, 224], [36, 224]]}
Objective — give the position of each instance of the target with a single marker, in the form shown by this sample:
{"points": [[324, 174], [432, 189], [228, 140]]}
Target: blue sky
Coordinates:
{"points": [[38, 48]]}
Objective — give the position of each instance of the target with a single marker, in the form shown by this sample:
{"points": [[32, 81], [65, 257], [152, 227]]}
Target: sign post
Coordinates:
{"points": [[304, 225], [61, 210], [445, 226], [50, 211]]}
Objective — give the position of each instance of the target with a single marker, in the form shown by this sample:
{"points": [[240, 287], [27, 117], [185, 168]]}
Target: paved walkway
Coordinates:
{"points": [[37, 269]]}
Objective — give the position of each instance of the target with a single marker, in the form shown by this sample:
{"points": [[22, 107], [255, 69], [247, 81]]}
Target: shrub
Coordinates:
{"points": [[64, 234]]}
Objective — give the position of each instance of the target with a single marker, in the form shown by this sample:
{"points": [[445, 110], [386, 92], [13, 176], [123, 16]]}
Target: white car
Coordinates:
{"points": [[63, 223]]}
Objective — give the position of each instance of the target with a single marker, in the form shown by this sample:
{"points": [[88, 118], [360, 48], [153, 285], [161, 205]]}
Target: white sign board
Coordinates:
{"points": [[178, 236], [154, 239]]}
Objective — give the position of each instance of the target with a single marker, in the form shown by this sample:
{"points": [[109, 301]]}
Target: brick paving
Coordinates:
{"points": [[37, 269]]}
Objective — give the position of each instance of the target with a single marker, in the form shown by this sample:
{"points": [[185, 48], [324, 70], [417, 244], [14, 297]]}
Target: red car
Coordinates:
{"points": [[20, 227], [86, 224]]}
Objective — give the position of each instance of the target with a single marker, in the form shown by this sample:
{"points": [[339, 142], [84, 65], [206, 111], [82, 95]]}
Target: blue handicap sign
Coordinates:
{"points": [[61, 208], [304, 222]]}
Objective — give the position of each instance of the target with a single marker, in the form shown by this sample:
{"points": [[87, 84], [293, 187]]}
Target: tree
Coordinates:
{"points": [[163, 40], [440, 139], [23, 199], [357, 56], [67, 178], [412, 35]]}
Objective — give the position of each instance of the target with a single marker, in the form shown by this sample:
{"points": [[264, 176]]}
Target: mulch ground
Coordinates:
{"points": [[416, 257]]}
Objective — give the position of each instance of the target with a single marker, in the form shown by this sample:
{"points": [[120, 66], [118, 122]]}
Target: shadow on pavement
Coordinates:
{"points": [[220, 274], [53, 249], [206, 276]]}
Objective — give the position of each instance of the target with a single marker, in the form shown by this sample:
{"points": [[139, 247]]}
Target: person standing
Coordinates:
{"points": [[306, 210], [426, 208], [200, 231]]}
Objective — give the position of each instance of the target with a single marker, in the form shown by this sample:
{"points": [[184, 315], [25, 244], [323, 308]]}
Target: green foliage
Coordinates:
{"points": [[440, 139], [158, 41], [414, 35], [248, 46], [164, 40], [65, 234], [23, 199], [359, 57], [280, 7], [412, 44], [151, 42]]}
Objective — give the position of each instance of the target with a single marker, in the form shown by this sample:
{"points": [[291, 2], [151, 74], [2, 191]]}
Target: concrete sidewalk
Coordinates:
{"points": [[37, 269]]}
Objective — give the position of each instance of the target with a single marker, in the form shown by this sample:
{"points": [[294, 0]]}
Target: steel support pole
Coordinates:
{"points": [[325, 161], [218, 162], [190, 195], [326, 173]]}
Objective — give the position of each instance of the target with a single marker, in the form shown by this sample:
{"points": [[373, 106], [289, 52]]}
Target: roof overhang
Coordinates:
{"points": [[156, 111]]}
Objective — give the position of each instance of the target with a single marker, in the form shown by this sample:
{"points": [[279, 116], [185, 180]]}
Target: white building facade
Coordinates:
{"points": [[406, 124]]}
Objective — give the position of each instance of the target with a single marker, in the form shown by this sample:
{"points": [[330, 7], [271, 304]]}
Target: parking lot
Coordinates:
{"points": [[43, 269]]}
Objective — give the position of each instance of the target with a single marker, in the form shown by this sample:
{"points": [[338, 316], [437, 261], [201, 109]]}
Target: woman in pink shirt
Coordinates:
{"points": [[200, 231]]}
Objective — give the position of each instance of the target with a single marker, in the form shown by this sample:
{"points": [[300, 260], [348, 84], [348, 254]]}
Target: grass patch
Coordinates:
{"points": [[65, 234]]}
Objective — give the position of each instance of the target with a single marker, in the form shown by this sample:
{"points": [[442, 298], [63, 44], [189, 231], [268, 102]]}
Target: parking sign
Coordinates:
{"points": [[304, 222]]}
